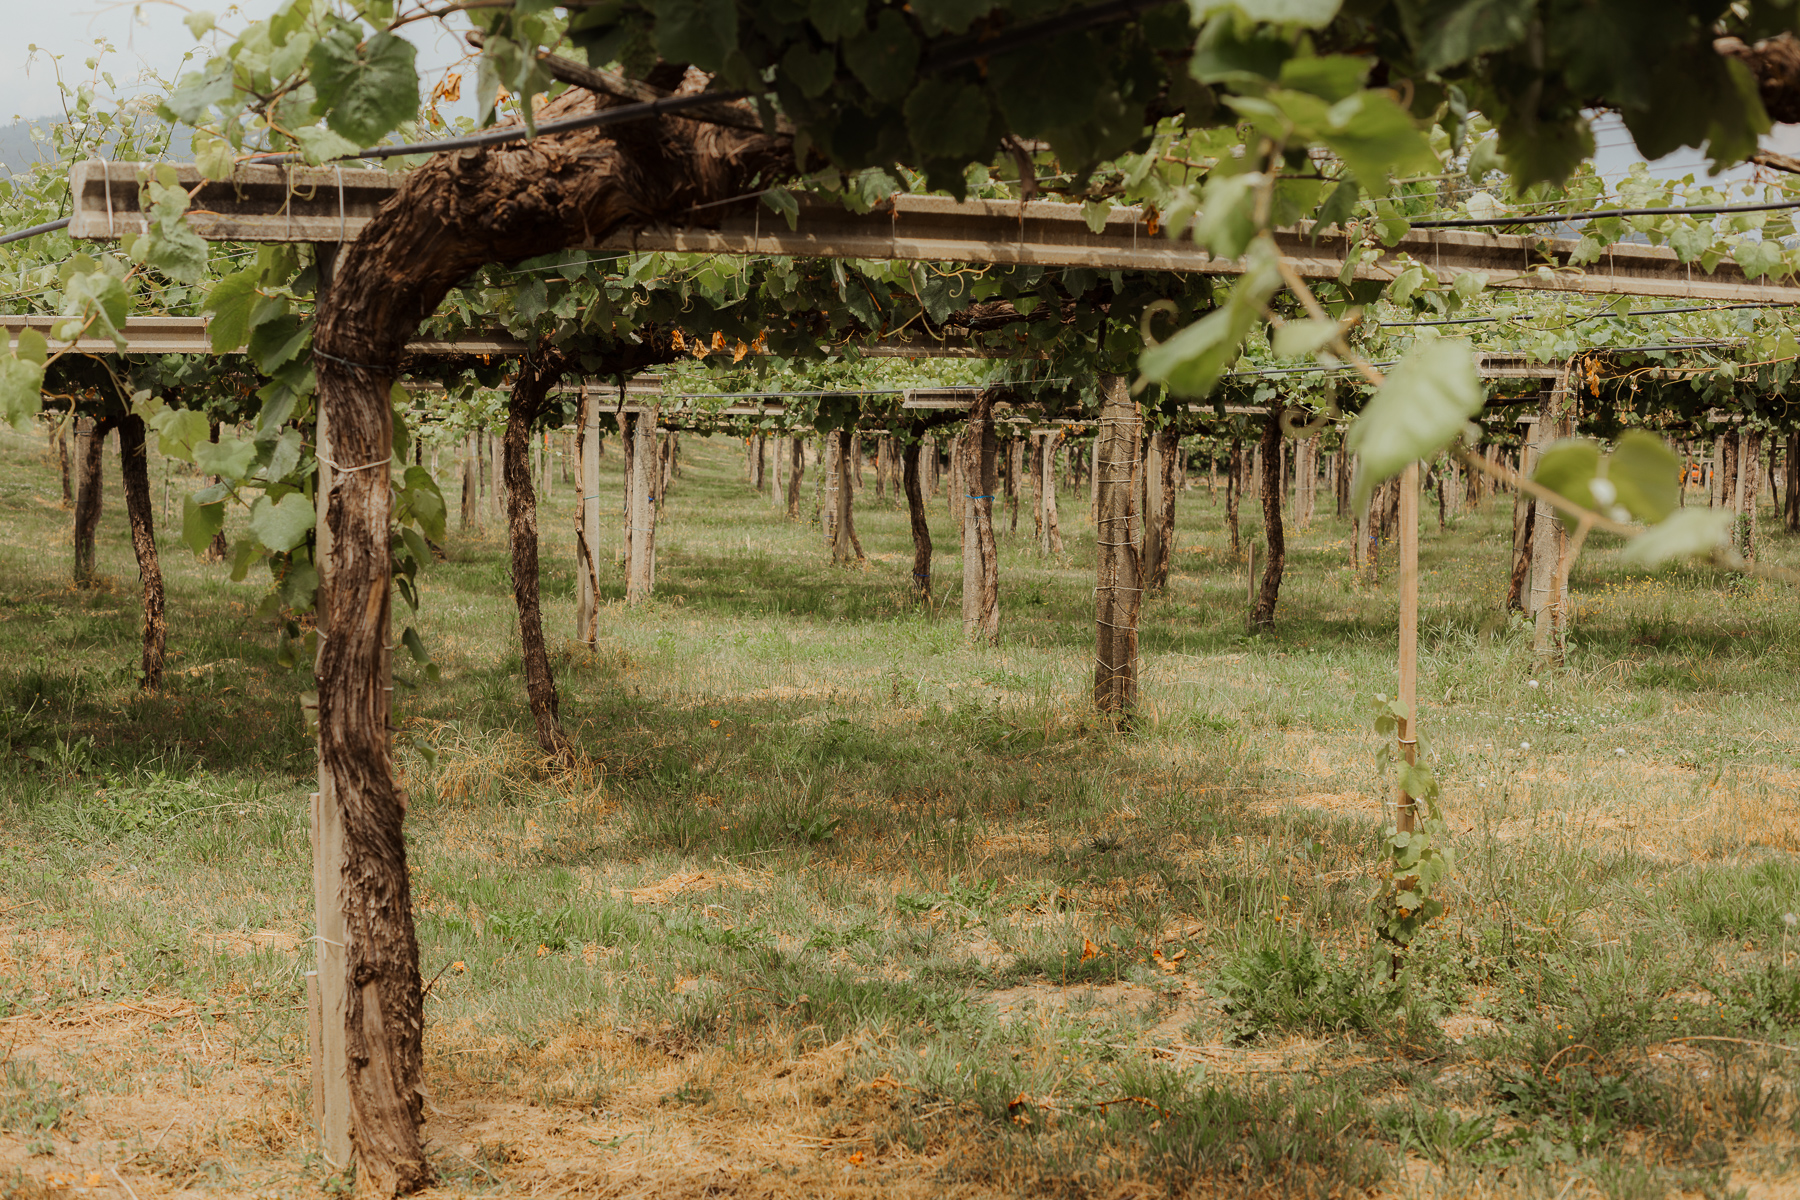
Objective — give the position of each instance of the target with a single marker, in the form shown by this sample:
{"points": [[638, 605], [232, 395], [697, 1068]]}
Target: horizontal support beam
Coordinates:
{"points": [[188, 335], [258, 204], [314, 204]]}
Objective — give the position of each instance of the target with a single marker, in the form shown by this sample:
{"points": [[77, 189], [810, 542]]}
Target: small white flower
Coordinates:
{"points": [[1524, 745], [1790, 919], [1620, 752], [1533, 683]]}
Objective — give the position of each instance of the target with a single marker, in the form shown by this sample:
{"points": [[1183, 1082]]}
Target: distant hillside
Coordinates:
{"points": [[18, 151]]}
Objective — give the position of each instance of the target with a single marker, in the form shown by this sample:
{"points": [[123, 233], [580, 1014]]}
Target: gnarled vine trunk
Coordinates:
{"points": [[915, 509], [796, 473], [1159, 523], [1262, 613], [90, 444], [538, 373], [456, 213], [59, 436], [846, 547], [134, 474]]}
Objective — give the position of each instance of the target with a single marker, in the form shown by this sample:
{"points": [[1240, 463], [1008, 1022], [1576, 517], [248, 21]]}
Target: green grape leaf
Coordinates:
{"points": [[811, 70], [1191, 362], [284, 455], [1331, 77], [1445, 34], [98, 301], [1757, 258], [366, 90], [947, 119], [702, 32], [1425, 403], [213, 155], [1545, 151], [199, 23], [421, 501], [1569, 468], [1687, 532], [1226, 222], [321, 144], [230, 303], [1645, 475], [783, 202], [32, 346], [228, 458], [1373, 135], [415, 545], [946, 16], [179, 431], [200, 523], [192, 100], [1337, 207], [21, 390], [282, 525], [299, 584], [836, 19], [885, 58], [1313, 14], [1691, 241], [1296, 338], [415, 646]]}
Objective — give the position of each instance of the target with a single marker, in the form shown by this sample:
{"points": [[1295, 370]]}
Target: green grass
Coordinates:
{"points": [[834, 883]]}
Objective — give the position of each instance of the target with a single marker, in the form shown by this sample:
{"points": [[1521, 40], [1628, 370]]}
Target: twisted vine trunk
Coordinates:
{"points": [[915, 510], [456, 213], [796, 473], [134, 473], [1159, 525], [90, 443], [1262, 613], [846, 547], [1790, 488], [59, 435], [530, 397]]}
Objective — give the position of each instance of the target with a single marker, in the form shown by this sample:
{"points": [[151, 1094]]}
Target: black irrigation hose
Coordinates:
{"points": [[1635, 312], [1685, 210], [518, 133], [20, 235]]}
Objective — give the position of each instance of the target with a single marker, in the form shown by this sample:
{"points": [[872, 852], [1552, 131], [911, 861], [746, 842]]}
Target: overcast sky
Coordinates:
{"points": [[147, 35]]}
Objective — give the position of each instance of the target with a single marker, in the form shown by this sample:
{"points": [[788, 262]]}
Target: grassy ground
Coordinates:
{"points": [[842, 906]]}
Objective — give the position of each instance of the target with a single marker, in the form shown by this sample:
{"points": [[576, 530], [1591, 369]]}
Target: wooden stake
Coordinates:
{"points": [[587, 519], [1406, 814], [331, 1061]]}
